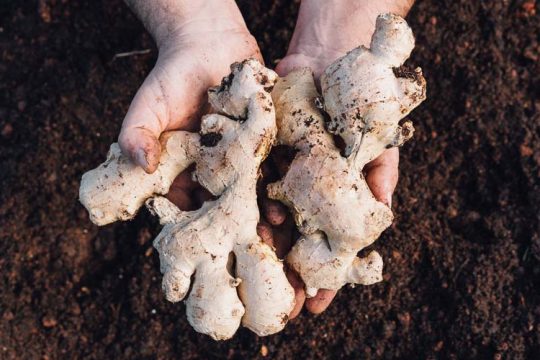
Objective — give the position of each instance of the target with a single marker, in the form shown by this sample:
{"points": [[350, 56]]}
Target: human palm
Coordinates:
{"points": [[173, 97], [198, 56]]}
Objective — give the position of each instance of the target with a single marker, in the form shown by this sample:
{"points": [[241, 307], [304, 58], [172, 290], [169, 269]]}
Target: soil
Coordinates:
{"points": [[462, 258]]}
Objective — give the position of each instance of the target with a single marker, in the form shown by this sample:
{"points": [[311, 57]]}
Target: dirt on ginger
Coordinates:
{"points": [[236, 277], [214, 253], [334, 209]]}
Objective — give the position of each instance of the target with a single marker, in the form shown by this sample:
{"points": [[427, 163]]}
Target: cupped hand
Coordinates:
{"points": [[381, 176], [316, 44], [173, 95]]}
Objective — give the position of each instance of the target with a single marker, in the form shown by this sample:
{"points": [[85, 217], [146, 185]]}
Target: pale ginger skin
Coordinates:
{"points": [[220, 238], [330, 200], [332, 204], [364, 98], [109, 195]]}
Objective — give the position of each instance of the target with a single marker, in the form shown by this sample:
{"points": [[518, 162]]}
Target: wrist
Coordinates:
{"points": [[197, 31], [328, 29], [171, 20], [343, 24], [397, 7], [201, 26]]}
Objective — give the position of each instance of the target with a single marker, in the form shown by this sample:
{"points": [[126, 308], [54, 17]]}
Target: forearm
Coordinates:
{"points": [[351, 22], [167, 18]]}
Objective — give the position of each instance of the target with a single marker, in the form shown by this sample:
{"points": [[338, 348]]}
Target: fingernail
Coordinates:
{"points": [[140, 158], [389, 200]]}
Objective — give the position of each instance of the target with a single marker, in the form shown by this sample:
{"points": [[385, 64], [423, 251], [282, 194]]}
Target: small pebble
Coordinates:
{"points": [[148, 251], [264, 351], [525, 150], [452, 212], [8, 316], [404, 319], [7, 130], [529, 7], [49, 322], [44, 11], [21, 105]]}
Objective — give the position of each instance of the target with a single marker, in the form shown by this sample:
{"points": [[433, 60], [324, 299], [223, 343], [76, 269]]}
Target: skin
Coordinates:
{"points": [[197, 41], [316, 44]]}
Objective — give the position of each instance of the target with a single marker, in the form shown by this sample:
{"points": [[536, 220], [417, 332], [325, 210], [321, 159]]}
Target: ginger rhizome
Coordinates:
{"points": [[214, 253], [234, 277], [333, 207]]}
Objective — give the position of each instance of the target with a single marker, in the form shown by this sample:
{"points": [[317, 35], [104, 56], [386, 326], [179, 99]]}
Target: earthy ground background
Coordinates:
{"points": [[462, 260]]}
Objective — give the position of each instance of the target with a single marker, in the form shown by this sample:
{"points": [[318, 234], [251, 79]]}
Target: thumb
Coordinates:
{"points": [[171, 97], [142, 126], [382, 175], [142, 146]]}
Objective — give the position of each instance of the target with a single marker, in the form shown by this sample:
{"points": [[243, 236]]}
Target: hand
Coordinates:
{"points": [[316, 44], [193, 56]]}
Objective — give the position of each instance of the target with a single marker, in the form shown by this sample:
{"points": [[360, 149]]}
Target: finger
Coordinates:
{"points": [[382, 175], [299, 293], [163, 102], [283, 237], [180, 198], [145, 120], [142, 146], [274, 211], [321, 301], [264, 230], [180, 191]]}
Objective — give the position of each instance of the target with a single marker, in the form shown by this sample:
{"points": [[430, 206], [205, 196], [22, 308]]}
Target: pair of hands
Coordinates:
{"points": [[194, 58]]}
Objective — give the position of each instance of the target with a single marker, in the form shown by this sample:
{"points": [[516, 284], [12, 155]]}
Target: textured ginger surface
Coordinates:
{"points": [[333, 206], [214, 253]]}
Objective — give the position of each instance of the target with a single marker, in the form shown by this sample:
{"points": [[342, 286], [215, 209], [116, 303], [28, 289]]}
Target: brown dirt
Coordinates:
{"points": [[462, 259]]}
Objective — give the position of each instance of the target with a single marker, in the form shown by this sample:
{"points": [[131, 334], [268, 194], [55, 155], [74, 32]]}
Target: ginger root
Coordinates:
{"points": [[237, 278], [333, 206]]}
